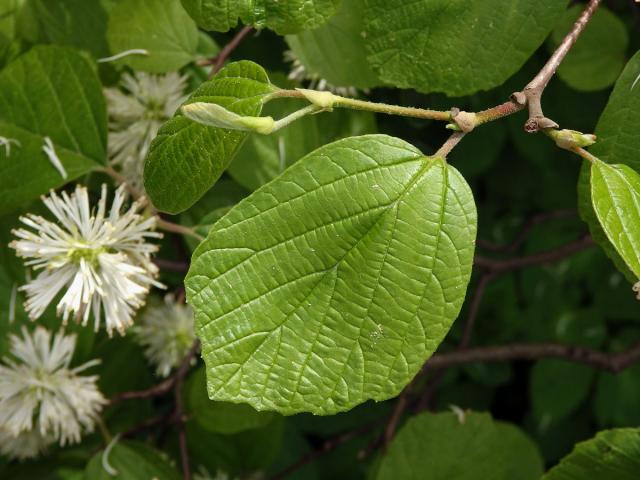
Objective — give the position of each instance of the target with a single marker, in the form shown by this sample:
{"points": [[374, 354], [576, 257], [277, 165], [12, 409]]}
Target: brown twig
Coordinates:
{"points": [[542, 258], [534, 90], [228, 49], [522, 236], [163, 387], [155, 391], [474, 308], [179, 418], [172, 265], [611, 362], [326, 447], [450, 144]]}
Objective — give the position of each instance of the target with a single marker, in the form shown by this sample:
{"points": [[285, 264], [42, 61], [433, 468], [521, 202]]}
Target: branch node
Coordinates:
{"points": [[519, 98]]}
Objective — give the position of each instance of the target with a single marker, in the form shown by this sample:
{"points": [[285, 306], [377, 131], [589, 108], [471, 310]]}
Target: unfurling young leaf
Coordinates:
{"points": [[333, 283]]}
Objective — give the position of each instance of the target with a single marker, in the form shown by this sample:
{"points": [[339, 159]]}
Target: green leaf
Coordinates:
{"points": [[617, 130], [131, 460], [443, 447], [49, 92], [284, 17], [161, 27], [336, 51], [558, 388], [615, 192], [333, 284], [455, 46], [263, 157], [75, 23], [221, 417], [618, 143], [187, 158], [238, 453], [617, 396], [610, 455], [598, 57], [211, 208]]}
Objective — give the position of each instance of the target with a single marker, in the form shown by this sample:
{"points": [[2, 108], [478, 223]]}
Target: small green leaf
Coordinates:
{"points": [[284, 17], [161, 27], [471, 447], [336, 51], [618, 142], [333, 283], [49, 92], [131, 460], [221, 417], [187, 158], [615, 192], [598, 57], [610, 455], [455, 46]]}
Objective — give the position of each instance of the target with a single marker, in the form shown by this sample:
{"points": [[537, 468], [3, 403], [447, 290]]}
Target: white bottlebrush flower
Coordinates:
{"points": [[299, 73], [136, 111], [42, 399], [25, 445], [100, 259], [167, 333]]}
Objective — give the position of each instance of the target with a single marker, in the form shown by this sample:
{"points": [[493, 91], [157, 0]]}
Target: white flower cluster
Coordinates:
{"points": [[636, 288], [166, 332], [42, 399], [136, 111], [100, 257]]}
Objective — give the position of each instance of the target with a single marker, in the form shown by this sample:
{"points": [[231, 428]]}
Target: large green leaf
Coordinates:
{"points": [[610, 455], [446, 447], [333, 284], [77, 23], [618, 143], [132, 461], [336, 51], [187, 158], [49, 92], [615, 192], [455, 46], [598, 57], [289, 16], [263, 157], [161, 27]]}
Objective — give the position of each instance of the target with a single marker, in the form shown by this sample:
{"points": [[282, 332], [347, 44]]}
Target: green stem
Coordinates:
{"points": [[283, 122], [584, 154], [356, 104], [450, 144]]}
